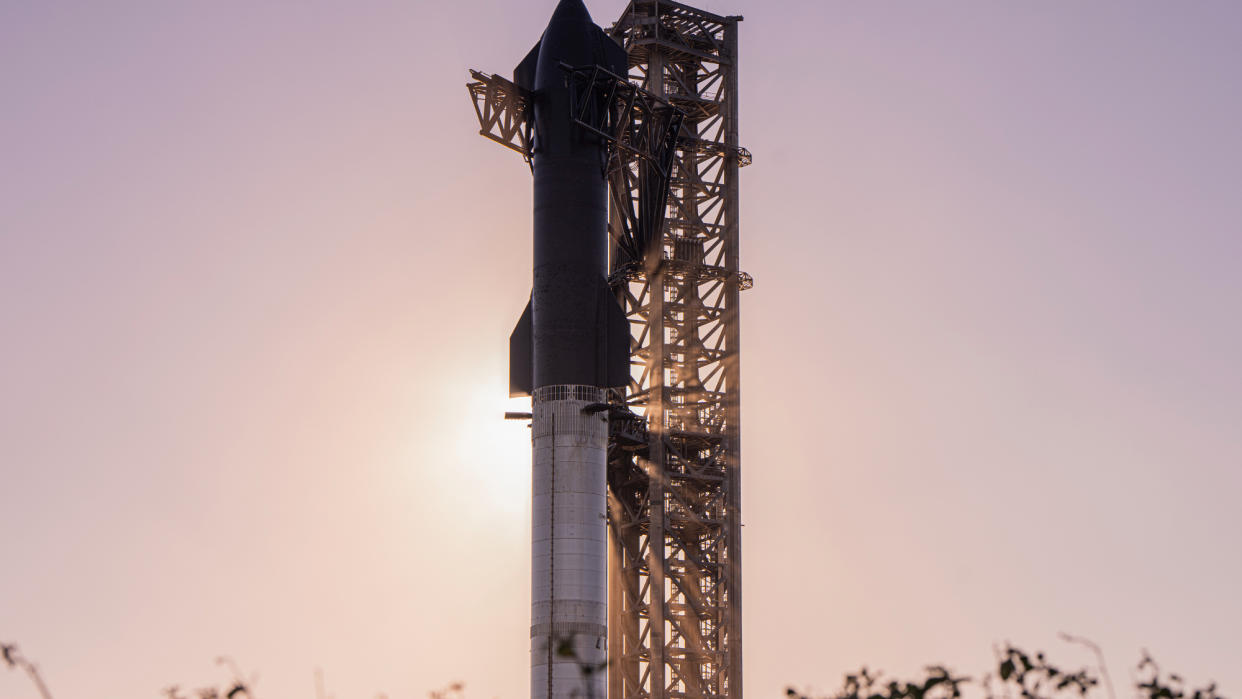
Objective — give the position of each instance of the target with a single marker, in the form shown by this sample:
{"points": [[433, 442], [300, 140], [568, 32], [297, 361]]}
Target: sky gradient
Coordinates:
{"points": [[258, 272]]}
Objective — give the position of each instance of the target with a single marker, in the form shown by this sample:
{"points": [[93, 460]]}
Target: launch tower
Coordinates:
{"points": [[675, 604]]}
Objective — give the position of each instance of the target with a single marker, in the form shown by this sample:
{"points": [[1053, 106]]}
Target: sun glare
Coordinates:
{"points": [[491, 452]]}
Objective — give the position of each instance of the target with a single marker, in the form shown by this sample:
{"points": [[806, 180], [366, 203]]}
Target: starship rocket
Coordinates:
{"points": [[570, 345]]}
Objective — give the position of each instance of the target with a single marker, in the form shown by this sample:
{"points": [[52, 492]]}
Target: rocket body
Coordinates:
{"points": [[569, 562], [571, 344], [570, 213]]}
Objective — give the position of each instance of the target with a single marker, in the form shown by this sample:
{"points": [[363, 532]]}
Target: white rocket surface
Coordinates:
{"points": [[569, 565]]}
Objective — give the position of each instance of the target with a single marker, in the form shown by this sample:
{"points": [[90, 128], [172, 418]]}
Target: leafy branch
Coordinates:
{"points": [[1018, 675], [13, 658]]}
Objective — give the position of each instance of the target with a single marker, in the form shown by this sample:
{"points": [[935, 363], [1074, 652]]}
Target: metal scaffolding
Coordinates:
{"points": [[675, 610]]}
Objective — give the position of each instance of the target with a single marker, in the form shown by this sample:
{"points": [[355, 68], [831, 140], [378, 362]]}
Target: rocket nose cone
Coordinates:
{"points": [[571, 10], [571, 37]]}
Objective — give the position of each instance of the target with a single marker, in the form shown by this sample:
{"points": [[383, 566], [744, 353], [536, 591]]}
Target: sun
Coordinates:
{"points": [[493, 453]]}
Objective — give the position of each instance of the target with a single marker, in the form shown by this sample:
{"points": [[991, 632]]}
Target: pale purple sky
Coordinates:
{"points": [[258, 271]]}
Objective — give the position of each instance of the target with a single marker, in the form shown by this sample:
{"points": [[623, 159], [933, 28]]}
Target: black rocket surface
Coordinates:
{"points": [[573, 331]]}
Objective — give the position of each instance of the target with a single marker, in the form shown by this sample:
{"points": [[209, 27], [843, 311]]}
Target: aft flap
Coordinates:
{"points": [[521, 358], [610, 54], [524, 74], [616, 342]]}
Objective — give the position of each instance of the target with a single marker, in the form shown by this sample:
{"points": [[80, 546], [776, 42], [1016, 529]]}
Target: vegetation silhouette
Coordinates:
{"points": [[13, 658], [1017, 675]]}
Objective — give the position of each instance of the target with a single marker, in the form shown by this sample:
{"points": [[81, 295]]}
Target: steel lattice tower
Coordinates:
{"points": [[675, 606]]}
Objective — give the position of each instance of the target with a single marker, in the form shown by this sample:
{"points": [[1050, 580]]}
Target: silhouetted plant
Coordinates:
{"points": [[1169, 686], [455, 690], [1018, 674], [13, 659], [565, 649], [237, 689], [1034, 678], [865, 684]]}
